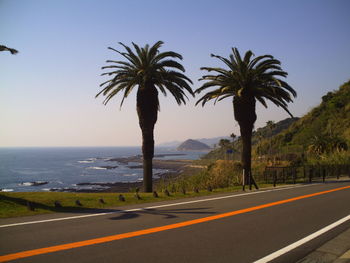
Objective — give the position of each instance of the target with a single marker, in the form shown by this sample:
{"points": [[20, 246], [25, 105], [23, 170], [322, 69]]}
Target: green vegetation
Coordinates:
{"points": [[149, 70], [217, 174], [321, 136], [247, 80]]}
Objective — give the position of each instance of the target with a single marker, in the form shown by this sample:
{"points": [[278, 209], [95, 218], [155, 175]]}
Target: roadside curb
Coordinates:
{"points": [[336, 250]]}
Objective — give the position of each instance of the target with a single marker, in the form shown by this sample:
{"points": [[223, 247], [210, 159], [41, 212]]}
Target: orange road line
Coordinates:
{"points": [[40, 251]]}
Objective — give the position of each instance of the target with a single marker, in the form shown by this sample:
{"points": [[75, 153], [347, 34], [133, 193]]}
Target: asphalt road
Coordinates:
{"points": [[244, 237]]}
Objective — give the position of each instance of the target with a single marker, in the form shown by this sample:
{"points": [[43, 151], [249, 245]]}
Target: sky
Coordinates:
{"points": [[47, 90]]}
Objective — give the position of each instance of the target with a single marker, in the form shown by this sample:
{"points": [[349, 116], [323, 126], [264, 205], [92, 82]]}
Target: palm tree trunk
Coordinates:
{"points": [[148, 153], [246, 133], [246, 158], [244, 112], [147, 110]]}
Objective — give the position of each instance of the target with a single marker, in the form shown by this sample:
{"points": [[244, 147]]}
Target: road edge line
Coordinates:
{"points": [[302, 241]]}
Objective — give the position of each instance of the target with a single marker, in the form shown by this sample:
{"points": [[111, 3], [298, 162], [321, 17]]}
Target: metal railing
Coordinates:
{"points": [[304, 174]]}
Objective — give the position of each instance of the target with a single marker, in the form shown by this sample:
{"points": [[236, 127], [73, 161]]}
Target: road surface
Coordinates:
{"points": [[222, 228]]}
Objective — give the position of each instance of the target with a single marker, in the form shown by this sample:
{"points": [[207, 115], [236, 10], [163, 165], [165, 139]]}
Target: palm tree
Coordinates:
{"points": [[247, 80], [5, 48], [149, 70], [233, 136], [318, 145]]}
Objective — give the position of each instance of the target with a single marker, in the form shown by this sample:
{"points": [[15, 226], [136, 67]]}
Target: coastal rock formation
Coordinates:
{"points": [[193, 145]]}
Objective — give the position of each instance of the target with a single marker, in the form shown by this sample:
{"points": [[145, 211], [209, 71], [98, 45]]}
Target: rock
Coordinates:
{"points": [[30, 206], [109, 167], [121, 198]]}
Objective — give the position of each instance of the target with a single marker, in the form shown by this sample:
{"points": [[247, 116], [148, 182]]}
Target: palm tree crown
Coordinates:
{"points": [[247, 80], [149, 70], [146, 68], [256, 78]]}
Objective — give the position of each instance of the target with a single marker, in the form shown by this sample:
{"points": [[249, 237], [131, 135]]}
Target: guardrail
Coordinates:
{"points": [[304, 174]]}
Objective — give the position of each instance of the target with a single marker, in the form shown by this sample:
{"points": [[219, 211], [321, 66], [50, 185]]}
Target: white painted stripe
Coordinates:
{"points": [[154, 207], [300, 242]]}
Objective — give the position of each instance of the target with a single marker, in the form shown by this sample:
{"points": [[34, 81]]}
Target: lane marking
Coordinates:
{"points": [[40, 251], [300, 242], [152, 207]]}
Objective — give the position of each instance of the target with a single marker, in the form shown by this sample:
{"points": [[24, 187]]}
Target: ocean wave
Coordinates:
{"points": [[26, 184], [97, 168], [6, 190], [36, 183], [89, 160], [85, 161]]}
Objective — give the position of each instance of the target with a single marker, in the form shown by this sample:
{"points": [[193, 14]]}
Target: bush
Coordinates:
{"points": [[219, 174]]}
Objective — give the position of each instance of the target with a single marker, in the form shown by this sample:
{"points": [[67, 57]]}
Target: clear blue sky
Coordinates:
{"points": [[47, 90]]}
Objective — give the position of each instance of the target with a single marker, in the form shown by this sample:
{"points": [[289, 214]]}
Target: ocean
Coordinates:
{"points": [[47, 169]]}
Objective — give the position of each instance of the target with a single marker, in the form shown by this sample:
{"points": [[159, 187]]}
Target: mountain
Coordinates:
{"points": [[193, 145], [208, 141]]}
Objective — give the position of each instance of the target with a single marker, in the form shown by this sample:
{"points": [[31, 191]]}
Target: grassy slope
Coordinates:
{"points": [[332, 116], [15, 204]]}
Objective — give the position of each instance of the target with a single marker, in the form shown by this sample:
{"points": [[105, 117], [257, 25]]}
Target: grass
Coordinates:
{"points": [[15, 204]]}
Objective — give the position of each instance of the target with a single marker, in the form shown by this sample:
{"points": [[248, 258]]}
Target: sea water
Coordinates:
{"points": [[45, 169]]}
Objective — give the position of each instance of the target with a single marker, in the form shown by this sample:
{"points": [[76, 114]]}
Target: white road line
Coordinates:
{"points": [[153, 207], [300, 242]]}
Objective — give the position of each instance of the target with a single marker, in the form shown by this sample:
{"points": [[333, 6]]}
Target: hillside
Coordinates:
{"points": [[330, 118], [192, 145]]}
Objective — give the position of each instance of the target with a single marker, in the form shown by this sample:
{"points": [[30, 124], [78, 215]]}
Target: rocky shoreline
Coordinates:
{"points": [[173, 167]]}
